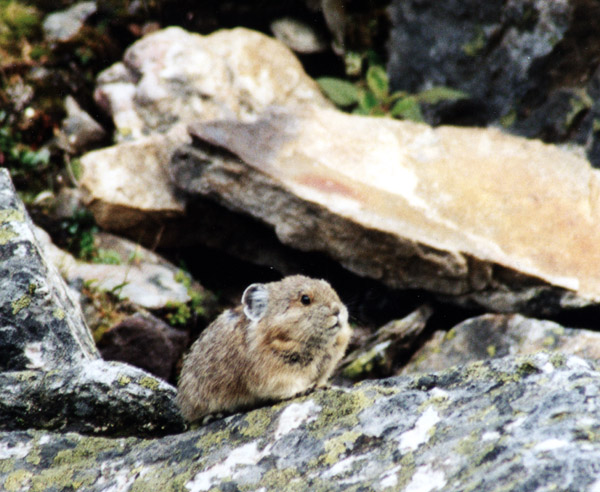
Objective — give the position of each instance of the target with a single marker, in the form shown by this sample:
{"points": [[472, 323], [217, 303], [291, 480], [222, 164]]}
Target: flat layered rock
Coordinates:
{"points": [[473, 214]]}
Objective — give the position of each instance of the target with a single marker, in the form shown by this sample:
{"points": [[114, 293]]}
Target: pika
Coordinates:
{"points": [[285, 339]]}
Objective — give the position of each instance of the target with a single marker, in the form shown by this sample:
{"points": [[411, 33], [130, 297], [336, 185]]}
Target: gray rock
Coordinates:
{"points": [[490, 50], [136, 274], [64, 25], [300, 37], [79, 130], [497, 335], [50, 369], [146, 342], [106, 398], [41, 325], [525, 423]]}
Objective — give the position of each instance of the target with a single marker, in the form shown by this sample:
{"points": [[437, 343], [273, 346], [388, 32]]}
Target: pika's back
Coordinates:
{"points": [[285, 339]]}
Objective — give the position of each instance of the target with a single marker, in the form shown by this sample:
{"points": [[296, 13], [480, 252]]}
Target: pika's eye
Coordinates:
{"points": [[305, 300]]}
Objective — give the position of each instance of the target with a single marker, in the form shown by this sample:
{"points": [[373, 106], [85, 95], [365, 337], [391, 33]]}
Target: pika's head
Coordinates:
{"points": [[299, 306]]}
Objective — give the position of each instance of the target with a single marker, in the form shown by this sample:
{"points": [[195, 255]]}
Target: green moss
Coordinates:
{"points": [[123, 380], [107, 257], [17, 21], [450, 335], [384, 391], [491, 350], [287, 479], [6, 466], [155, 479], [468, 445], [17, 480], [11, 215], [6, 235], [509, 118], [58, 477], [365, 363], [337, 446], [21, 303], [33, 456], [59, 314], [339, 409], [477, 43], [86, 450], [581, 103], [558, 360], [149, 382], [407, 470], [549, 341], [257, 423], [212, 439], [182, 312]]}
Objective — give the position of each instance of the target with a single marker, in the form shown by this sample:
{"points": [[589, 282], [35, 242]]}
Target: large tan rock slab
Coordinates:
{"points": [[469, 213]]}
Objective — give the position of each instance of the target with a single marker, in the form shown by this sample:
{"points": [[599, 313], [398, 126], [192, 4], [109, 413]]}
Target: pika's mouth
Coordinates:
{"points": [[335, 324]]}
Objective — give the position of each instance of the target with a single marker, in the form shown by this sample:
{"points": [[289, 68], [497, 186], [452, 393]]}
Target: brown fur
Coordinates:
{"points": [[271, 347]]}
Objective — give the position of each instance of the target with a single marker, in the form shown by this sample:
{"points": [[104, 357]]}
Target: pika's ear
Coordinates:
{"points": [[255, 301]]}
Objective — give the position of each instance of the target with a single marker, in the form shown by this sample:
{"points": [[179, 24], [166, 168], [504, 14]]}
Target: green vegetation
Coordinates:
{"points": [[372, 96], [180, 314], [19, 23], [79, 230], [20, 159]]}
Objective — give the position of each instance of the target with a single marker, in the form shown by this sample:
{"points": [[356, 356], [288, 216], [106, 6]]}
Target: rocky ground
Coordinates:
{"points": [[154, 165]]}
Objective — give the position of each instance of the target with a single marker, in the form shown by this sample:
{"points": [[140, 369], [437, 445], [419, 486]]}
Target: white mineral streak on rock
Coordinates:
{"points": [[420, 433]]}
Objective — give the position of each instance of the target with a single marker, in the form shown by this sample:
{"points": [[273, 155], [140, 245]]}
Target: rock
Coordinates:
{"points": [[517, 423], [495, 335], [42, 326], [298, 36], [173, 77], [146, 342], [144, 192], [105, 398], [521, 63], [167, 80], [66, 203], [138, 276], [378, 355], [79, 130], [492, 51], [475, 216], [65, 25], [49, 366], [509, 224]]}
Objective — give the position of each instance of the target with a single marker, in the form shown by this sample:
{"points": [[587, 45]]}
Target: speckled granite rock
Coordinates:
{"points": [[50, 370], [41, 325], [527, 423]]}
